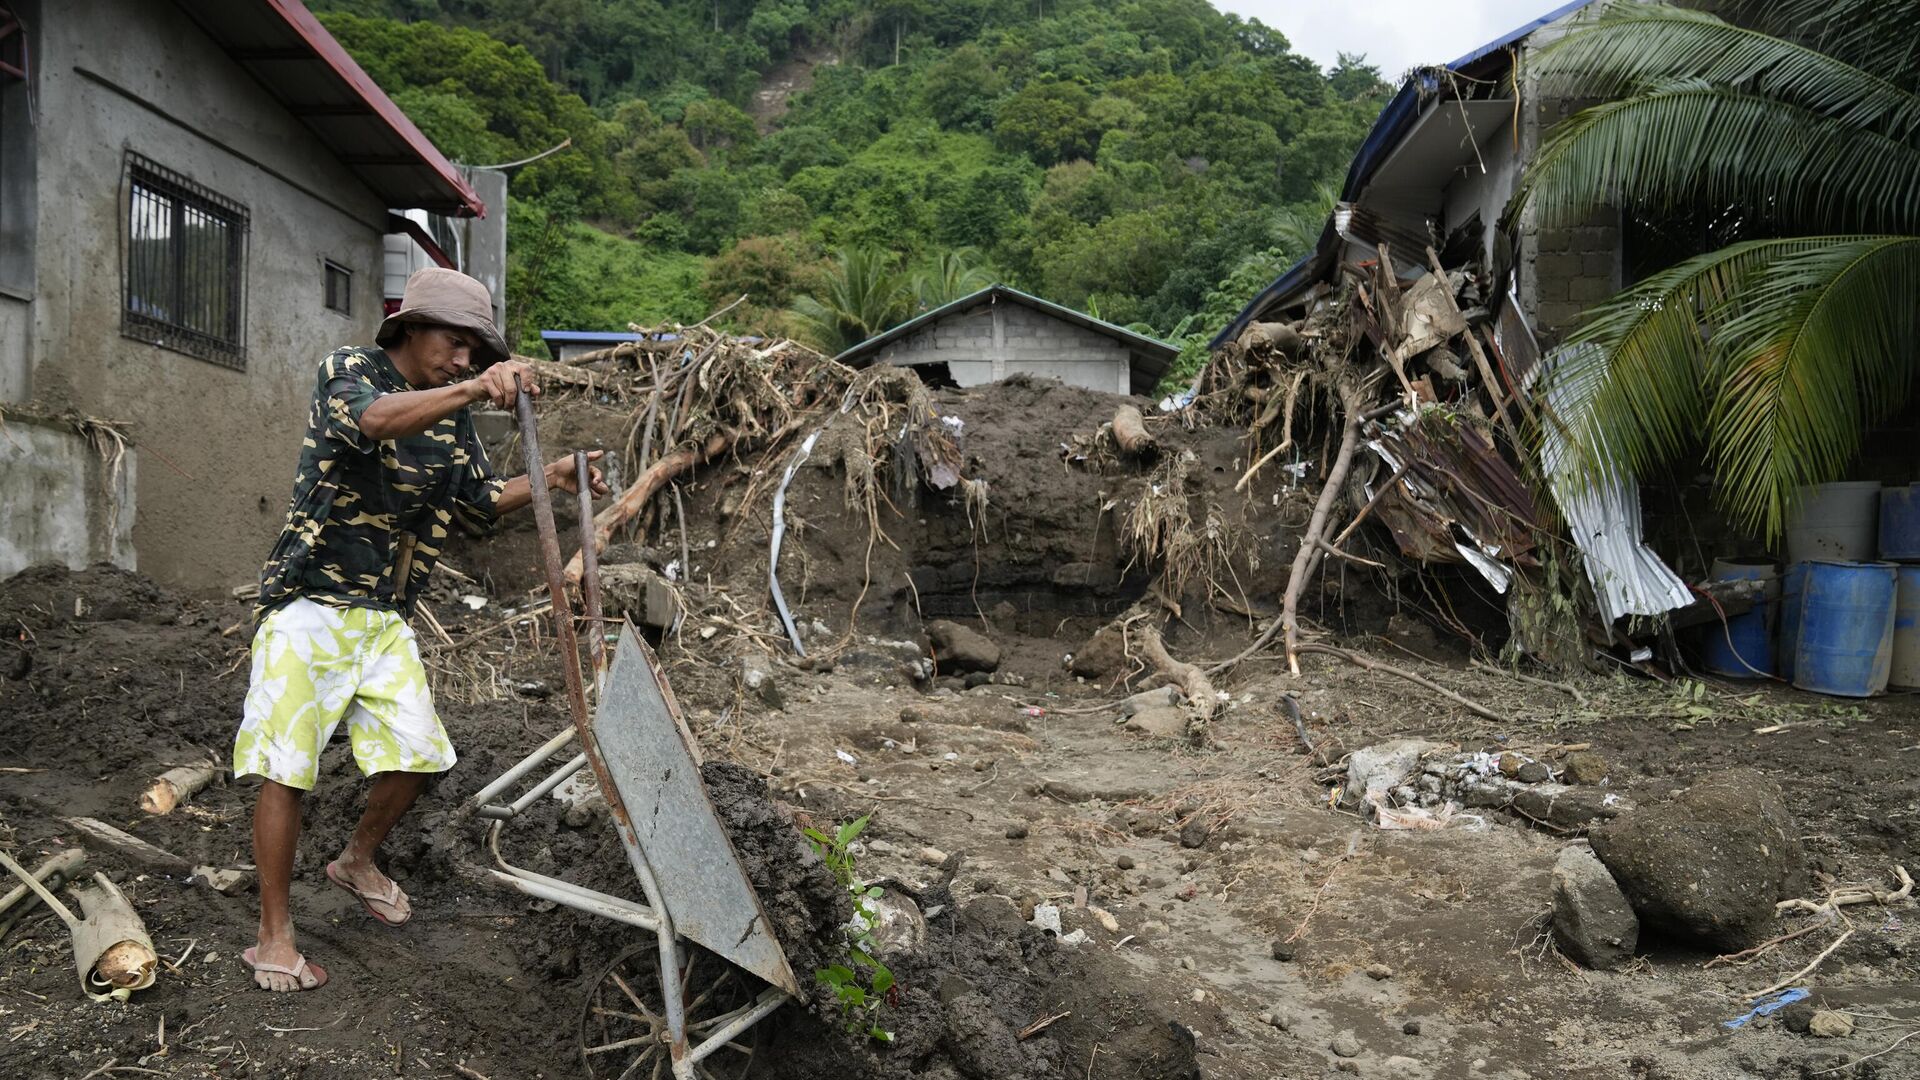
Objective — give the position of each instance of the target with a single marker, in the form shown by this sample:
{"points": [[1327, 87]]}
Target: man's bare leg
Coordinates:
{"points": [[276, 833], [392, 795]]}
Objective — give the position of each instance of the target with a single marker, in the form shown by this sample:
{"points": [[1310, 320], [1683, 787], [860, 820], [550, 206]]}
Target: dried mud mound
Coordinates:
{"points": [[91, 670]]}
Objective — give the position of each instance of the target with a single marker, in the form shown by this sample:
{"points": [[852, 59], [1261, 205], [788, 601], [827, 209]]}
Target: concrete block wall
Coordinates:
{"points": [[1563, 269]]}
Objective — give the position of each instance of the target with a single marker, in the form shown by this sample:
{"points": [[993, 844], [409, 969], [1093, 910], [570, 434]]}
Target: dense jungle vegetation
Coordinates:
{"points": [[1152, 161]]}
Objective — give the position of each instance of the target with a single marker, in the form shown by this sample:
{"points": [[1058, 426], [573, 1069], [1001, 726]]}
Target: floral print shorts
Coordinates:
{"points": [[315, 665]]}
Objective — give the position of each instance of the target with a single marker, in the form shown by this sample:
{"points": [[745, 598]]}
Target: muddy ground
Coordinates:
{"points": [[1259, 932]]}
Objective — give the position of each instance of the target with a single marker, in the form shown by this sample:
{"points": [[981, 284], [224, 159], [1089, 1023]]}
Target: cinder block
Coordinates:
{"points": [[1589, 290], [1597, 264]]}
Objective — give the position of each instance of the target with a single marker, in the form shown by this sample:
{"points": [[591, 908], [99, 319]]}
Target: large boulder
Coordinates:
{"points": [[959, 648], [1592, 921], [1710, 862]]}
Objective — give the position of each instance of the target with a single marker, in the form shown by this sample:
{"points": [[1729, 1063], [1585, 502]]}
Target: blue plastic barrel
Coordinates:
{"points": [[1792, 587], [1906, 630], [1846, 628], [1742, 647], [1900, 523]]}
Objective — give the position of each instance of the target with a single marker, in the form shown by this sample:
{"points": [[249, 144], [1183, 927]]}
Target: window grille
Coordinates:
{"points": [[186, 266]]}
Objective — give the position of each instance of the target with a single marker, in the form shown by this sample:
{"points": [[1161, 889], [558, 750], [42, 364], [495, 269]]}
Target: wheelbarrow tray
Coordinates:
{"points": [[669, 824]]}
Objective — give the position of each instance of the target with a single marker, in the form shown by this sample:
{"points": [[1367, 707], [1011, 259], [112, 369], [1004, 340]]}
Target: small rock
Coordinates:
{"points": [[1282, 1020], [1154, 928], [917, 714], [1282, 951], [1164, 722], [1105, 918], [1827, 1024], [1187, 964], [1592, 921], [1797, 1017], [1584, 767], [1379, 972], [977, 679], [1533, 772], [1411, 1027], [1345, 1045], [1017, 831], [1352, 1067], [1124, 862], [958, 648], [1265, 1018], [1400, 1065], [881, 847], [1193, 835], [756, 674], [1164, 697], [1510, 763], [1199, 996], [1066, 792], [931, 856]]}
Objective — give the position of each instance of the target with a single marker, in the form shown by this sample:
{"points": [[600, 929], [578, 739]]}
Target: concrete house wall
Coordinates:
{"points": [[988, 341], [198, 501]]}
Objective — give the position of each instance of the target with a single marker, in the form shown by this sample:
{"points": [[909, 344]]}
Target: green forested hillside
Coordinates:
{"points": [[1151, 160]]}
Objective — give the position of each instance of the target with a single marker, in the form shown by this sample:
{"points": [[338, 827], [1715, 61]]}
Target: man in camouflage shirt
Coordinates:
{"points": [[390, 461]]}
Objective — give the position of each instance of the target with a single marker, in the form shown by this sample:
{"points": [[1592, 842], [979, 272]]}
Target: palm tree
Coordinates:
{"points": [[952, 275], [1778, 351], [861, 296]]}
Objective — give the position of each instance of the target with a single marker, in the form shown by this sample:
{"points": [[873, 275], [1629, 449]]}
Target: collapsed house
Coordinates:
{"points": [[196, 207], [1423, 321]]}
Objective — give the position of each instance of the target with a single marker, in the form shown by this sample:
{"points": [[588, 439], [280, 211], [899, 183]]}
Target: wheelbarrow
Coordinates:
{"points": [[682, 1006]]}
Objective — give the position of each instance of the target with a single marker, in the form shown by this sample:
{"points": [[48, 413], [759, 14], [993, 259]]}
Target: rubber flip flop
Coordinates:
{"points": [[302, 973], [390, 898]]}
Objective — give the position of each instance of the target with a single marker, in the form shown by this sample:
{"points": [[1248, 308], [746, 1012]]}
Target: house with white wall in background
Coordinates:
{"points": [[1000, 331], [196, 204]]}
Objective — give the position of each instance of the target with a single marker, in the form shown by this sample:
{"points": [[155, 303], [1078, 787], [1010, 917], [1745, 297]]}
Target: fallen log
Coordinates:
{"points": [[1192, 680], [1130, 432], [1307, 559], [131, 846], [176, 786], [635, 498]]}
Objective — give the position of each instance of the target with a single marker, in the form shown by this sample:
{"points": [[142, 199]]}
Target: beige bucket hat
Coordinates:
{"points": [[439, 296]]}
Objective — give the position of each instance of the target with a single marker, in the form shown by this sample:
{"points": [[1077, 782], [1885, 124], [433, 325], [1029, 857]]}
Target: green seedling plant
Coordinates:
{"points": [[863, 984]]}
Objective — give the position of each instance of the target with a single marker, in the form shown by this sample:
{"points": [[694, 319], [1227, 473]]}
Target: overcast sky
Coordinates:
{"points": [[1395, 34]]}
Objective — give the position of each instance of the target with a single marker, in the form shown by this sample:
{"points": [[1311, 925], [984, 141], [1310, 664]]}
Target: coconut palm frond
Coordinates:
{"points": [[952, 275], [1633, 46], [1820, 348], [1653, 402], [1866, 33], [1691, 142], [863, 296]]}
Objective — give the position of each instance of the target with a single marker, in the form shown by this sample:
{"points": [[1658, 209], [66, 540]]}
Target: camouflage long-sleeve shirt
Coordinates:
{"points": [[362, 508]]}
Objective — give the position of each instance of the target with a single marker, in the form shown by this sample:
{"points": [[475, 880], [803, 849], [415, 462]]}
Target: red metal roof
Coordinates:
{"points": [[281, 44]]}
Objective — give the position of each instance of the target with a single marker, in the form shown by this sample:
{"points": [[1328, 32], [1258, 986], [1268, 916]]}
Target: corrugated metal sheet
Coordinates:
{"points": [[1603, 519]]}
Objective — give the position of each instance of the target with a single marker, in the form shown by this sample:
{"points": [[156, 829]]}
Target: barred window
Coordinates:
{"points": [[186, 266], [339, 287]]}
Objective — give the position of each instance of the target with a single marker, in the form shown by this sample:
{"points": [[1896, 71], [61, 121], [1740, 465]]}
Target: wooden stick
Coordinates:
{"points": [[1348, 556], [1567, 688], [1370, 664], [1308, 557], [1796, 976], [1765, 946], [1398, 474], [1496, 391], [129, 845], [636, 496]]}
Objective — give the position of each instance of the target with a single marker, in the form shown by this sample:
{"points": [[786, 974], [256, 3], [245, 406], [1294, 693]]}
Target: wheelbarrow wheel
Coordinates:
{"points": [[623, 1025]]}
